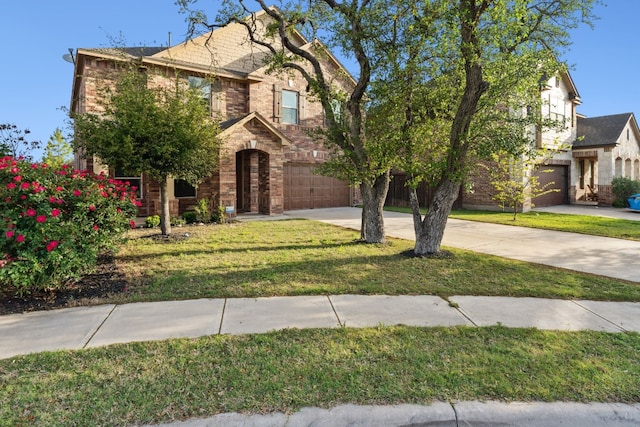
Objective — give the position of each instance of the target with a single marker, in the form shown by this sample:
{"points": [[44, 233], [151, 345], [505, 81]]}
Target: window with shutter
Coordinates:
{"points": [[290, 107]]}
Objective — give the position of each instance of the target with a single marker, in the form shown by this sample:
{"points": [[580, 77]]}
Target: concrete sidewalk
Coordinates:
{"points": [[604, 256], [86, 327]]}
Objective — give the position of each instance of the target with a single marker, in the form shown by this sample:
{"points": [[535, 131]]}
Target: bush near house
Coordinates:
{"points": [[623, 188], [56, 222]]}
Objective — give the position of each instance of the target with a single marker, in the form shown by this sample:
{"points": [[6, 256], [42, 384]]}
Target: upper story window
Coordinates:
{"points": [[290, 107], [204, 87]]}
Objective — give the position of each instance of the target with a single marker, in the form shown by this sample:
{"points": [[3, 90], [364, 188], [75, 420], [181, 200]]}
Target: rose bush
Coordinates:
{"points": [[56, 222]]}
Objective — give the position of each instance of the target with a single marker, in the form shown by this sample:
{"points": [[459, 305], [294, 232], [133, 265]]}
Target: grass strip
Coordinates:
{"points": [[299, 257], [583, 224], [284, 371]]}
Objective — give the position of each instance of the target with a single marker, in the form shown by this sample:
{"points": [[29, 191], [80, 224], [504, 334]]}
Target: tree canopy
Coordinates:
{"points": [[147, 126]]}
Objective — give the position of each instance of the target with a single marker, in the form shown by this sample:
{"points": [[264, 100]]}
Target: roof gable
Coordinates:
{"points": [[602, 131], [229, 126]]}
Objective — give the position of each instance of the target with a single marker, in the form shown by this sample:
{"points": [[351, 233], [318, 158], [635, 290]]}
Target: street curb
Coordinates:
{"points": [[438, 414]]}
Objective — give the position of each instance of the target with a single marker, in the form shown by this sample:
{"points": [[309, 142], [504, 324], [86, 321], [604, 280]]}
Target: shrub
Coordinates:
{"points": [[177, 221], [623, 188], [203, 213], [190, 217], [56, 222], [152, 221], [220, 215]]}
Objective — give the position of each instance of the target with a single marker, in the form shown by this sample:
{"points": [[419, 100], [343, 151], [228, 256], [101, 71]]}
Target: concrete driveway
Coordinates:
{"points": [[605, 256]]}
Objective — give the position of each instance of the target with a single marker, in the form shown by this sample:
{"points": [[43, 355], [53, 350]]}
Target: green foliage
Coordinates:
{"points": [[161, 130], [58, 151], [56, 222], [152, 221], [190, 217], [14, 142], [203, 213], [176, 221], [515, 179], [219, 215], [623, 188]]}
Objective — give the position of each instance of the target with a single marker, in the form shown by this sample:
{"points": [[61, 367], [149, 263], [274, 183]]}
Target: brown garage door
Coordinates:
{"points": [[558, 176], [304, 190]]}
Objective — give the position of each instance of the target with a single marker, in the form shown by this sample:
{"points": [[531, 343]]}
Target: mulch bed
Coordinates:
{"points": [[105, 281]]}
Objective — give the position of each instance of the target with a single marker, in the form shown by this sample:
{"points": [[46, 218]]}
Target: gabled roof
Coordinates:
{"points": [[228, 126], [602, 131]]}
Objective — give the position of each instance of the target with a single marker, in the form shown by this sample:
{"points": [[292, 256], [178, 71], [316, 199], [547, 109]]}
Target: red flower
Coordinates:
{"points": [[9, 234], [92, 208], [11, 186], [17, 178], [24, 185], [132, 223], [77, 193], [31, 212], [41, 219], [20, 238], [58, 188], [95, 227], [52, 245], [55, 212]]}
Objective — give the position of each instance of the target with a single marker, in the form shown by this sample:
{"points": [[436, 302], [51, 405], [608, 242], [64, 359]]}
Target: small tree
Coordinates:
{"points": [[162, 130], [516, 178], [58, 151], [14, 142]]}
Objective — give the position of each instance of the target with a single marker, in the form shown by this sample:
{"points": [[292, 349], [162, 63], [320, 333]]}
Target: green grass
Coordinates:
{"points": [[583, 224], [300, 257], [284, 371]]}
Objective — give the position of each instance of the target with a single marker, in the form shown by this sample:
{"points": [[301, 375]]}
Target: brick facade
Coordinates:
{"points": [[256, 141]]}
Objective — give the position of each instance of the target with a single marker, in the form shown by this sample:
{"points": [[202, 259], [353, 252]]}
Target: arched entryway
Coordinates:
{"points": [[252, 182]]}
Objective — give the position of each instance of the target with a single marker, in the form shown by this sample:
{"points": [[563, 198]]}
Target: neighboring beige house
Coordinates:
{"points": [[607, 147], [559, 101], [268, 159]]}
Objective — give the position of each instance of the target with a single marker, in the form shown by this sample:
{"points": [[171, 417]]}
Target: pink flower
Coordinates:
{"points": [[31, 212], [9, 234], [95, 227], [41, 219], [55, 212], [20, 238], [24, 185], [52, 245], [77, 193], [92, 208], [132, 223], [17, 178], [11, 186], [58, 188]]}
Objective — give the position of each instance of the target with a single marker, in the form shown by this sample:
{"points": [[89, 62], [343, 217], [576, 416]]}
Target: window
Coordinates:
{"points": [[134, 180], [202, 85], [182, 188], [290, 107]]}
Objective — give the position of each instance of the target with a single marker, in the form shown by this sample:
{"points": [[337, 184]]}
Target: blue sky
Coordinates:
{"points": [[35, 81]]}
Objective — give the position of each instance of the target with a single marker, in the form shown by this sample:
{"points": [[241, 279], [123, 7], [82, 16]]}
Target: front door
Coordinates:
{"points": [[252, 182]]}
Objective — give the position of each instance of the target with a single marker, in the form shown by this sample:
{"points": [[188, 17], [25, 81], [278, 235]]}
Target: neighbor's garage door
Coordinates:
{"points": [[558, 176], [304, 190]]}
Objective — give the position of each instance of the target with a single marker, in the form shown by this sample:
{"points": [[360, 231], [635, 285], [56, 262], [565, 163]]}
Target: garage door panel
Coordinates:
{"points": [[557, 175], [305, 190]]}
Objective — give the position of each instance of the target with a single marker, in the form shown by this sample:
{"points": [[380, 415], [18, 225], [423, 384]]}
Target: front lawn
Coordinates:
{"points": [[299, 257], [164, 381]]}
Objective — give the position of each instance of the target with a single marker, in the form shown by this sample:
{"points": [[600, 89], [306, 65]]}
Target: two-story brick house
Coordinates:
{"points": [[268, 157]]}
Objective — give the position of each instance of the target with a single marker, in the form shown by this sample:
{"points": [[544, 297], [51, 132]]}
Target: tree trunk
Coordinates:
{"points": [[430, 232], [165, 214], [373, 197]]}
